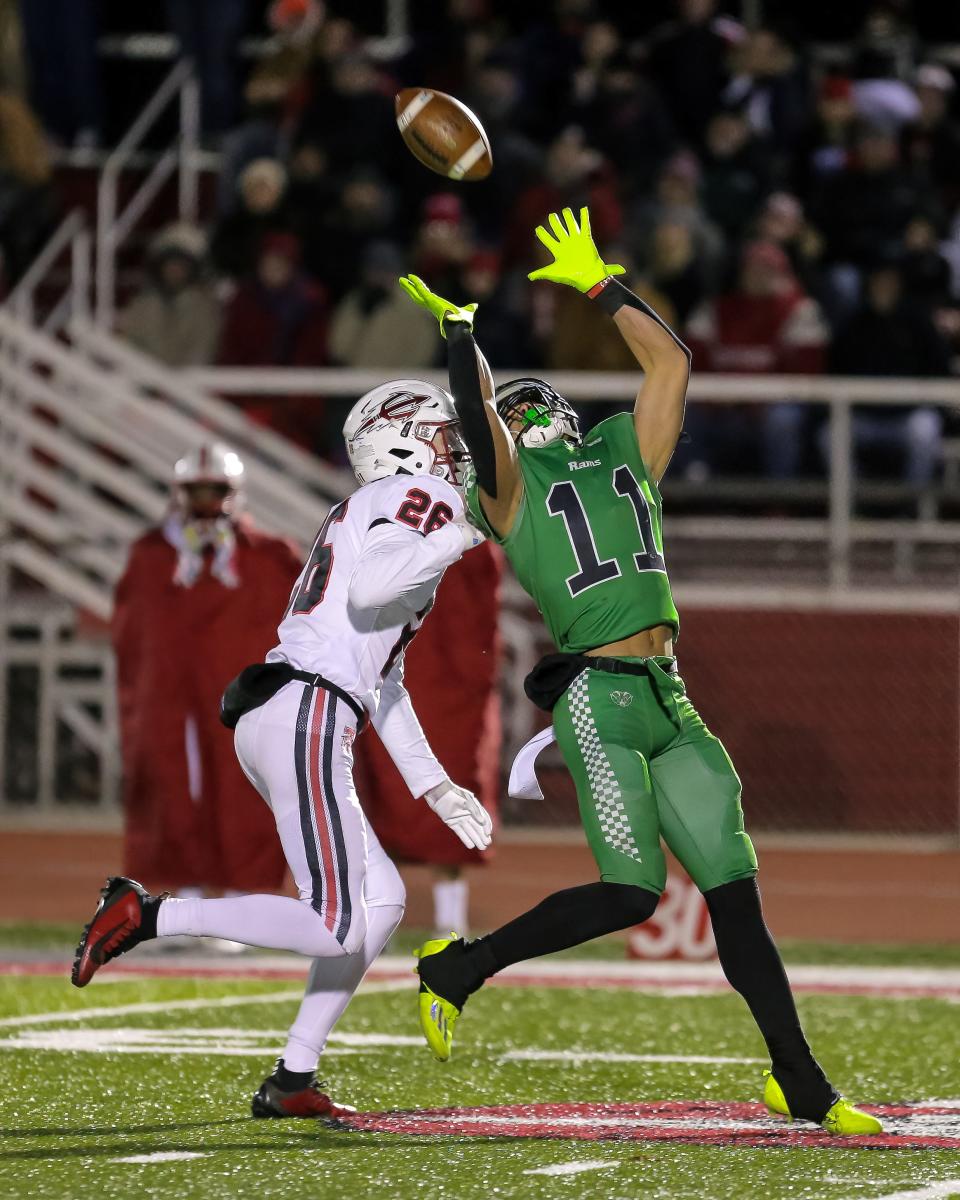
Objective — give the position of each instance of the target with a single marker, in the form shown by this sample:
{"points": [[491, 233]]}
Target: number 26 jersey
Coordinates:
{"points": [[369, 582], [587, 541]]}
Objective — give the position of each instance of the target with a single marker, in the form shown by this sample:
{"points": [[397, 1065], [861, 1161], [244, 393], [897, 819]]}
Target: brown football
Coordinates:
{"points": [[443, 134]]}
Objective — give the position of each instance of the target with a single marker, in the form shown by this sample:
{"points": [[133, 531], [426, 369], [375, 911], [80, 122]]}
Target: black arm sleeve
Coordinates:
{"points": [[614, 296], [471, 409]]}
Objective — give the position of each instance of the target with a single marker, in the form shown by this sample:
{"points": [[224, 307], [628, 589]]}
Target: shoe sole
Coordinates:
{"points": [[263, 1111], [439, 1043], [82, 947]]}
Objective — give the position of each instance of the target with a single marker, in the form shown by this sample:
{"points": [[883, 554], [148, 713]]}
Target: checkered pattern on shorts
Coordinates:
{"points": [[604, 786]]}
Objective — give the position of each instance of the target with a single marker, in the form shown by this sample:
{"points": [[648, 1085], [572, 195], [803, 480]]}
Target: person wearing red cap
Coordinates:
{"points": [[765, 325]]}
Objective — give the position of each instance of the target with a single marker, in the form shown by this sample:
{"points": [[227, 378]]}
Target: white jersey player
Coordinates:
{"points": [[365, 589]]}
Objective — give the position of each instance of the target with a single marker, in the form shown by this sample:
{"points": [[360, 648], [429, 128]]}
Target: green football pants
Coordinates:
{"points": [[646, 767]]}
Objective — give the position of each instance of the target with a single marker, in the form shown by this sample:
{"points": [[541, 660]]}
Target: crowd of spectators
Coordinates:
{"points": [[782, 215]]}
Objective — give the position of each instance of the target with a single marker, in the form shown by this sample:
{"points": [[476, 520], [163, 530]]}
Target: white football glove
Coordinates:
{"points": [[462, 812], [472, 537]]}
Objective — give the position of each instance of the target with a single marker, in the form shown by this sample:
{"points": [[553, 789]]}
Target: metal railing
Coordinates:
{"points": [[114, 224], [840, 529], [70, 235], [59, 747]]}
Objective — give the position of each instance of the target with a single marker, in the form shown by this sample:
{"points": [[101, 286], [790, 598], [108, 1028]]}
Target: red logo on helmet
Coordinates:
{"points": [[401, 406]]}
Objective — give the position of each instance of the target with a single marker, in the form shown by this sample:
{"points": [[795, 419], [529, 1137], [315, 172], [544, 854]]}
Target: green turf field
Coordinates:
{"points": [[79, 1096]]}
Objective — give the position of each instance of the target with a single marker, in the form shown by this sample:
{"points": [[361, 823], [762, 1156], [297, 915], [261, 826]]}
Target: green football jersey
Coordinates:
{"points": [[587, 542]]}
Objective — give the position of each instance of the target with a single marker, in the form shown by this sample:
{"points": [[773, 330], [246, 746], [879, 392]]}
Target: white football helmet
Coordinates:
{"points": [[535, 414], [220, 468], [405, 427]]}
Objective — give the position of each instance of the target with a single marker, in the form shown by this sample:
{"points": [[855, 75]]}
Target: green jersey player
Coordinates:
{"points": [[579, 517]]}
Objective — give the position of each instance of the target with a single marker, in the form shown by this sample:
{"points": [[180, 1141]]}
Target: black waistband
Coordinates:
{"points": [[619, 667], [318, 681], [256, 684], [554, 673]]}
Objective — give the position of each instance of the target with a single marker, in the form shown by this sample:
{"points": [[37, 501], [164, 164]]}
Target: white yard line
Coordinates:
{"points": [[242, 1043], [118, 1010], [580, 1056], [225, 1042], [574, 1168], [162, 1156], [169, 1051], [933, 1191]]}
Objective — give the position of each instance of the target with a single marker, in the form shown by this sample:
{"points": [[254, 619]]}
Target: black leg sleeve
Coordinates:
{"points": [[562, 920], [753, 967]]}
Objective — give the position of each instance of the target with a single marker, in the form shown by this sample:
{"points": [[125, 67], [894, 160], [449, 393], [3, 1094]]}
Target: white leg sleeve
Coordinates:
{"points": [[297, 751], [274, 922], [450, 901], [333, 982]]}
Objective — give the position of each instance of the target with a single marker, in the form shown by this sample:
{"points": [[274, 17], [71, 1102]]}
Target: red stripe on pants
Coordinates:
{"points": [[321, 817]]}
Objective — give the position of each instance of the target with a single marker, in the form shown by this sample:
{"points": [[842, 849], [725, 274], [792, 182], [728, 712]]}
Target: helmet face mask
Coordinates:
{"points": [[449, 448], [405, 427], [535, 414], [206, 501]]}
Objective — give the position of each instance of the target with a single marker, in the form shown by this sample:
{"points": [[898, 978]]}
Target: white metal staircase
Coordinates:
{"points": [[89, 432]]}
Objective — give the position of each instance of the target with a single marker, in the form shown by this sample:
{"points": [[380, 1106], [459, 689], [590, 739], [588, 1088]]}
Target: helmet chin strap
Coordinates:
{"points": [[543, 432], [534, 439]]}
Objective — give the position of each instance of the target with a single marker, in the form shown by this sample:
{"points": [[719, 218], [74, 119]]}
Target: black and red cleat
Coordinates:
{"points": [[270, 1100], [117, 926]]}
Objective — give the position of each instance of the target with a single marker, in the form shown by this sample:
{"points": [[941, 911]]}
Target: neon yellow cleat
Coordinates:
{"points": [[842, 1118], [847, 1121], [437, 1016]]}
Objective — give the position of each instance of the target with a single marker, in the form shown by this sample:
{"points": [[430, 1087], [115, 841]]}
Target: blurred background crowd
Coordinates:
{"points": [[781, 180]]}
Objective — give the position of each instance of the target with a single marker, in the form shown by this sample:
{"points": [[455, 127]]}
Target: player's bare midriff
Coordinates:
{"points": [[648, 643]]}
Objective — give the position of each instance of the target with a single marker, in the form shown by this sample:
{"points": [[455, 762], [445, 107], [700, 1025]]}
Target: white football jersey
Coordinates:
{"points": [[370, 580]]}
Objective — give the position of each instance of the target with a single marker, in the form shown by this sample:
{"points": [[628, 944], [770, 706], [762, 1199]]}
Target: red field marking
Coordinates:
{"points": [[925, 1126]]}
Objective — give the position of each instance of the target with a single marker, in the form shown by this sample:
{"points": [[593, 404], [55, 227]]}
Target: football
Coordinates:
{"points": [[443, 134]]}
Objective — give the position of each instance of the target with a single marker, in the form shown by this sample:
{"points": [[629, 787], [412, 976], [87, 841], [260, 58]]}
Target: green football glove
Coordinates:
{"points": [[576, 261], [442, 309]]}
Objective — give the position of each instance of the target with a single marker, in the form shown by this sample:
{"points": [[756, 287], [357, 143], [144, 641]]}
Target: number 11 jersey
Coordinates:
{"points": [[587, 541]]}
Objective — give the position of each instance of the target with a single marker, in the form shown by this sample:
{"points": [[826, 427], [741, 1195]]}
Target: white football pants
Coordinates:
{"points": [[297, 751]]}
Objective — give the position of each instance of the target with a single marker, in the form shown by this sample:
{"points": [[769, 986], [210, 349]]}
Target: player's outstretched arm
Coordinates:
{"points": [[396, 723], [658, 413], [471, 382]]}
